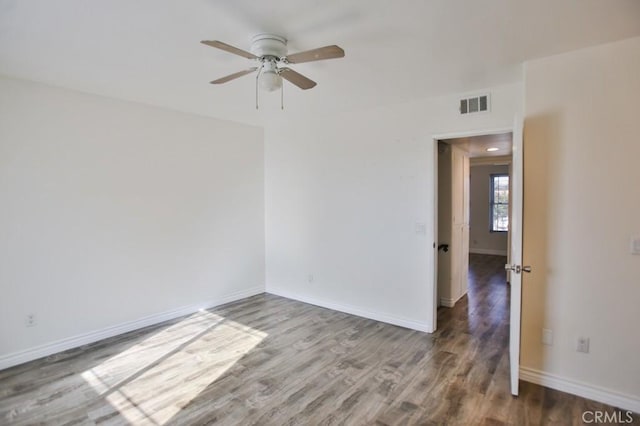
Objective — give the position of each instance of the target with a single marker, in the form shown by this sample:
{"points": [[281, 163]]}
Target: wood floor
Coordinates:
{"points": [[267, 360]]}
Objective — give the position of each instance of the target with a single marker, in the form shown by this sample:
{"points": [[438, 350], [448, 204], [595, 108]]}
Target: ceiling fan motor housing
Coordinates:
{"points": [[269, 45]]}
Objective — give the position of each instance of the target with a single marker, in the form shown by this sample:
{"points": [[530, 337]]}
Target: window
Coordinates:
{"points": [[499, 204]]}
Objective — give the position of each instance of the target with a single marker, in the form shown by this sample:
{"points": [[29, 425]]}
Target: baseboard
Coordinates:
{"points": [[493, 252], [448, 303], [585, 390], [16, 358], [353, 310]]}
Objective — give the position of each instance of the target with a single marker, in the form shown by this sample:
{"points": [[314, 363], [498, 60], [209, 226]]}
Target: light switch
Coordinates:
{"points": [[635, 244]]}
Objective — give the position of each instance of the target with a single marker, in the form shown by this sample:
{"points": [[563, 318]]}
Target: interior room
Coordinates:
{"points": [[237, 212]]}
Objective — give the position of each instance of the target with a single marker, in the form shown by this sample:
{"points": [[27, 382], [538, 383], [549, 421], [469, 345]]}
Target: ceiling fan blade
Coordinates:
{"points": [[228, 48], [296, 78], [327, 52], [233, 76]]}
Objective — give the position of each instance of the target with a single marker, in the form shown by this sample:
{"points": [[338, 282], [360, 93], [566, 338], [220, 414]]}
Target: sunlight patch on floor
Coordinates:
{"points": [[150, 382]]}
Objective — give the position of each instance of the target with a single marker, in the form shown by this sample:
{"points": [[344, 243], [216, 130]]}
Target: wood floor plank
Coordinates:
{"points": [[267, 360]]}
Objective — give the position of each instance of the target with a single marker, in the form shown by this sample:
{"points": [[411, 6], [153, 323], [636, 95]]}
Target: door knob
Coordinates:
{"points": [[526, 269]]}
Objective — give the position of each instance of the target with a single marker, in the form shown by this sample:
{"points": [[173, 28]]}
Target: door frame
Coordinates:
{"points": [[433, 284]]}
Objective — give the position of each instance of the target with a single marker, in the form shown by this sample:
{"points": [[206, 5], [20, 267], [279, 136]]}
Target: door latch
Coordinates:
{"points": [[517, 268]]}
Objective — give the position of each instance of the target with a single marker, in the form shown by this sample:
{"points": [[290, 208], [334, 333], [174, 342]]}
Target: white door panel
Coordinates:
{"points": [[515, 257]]}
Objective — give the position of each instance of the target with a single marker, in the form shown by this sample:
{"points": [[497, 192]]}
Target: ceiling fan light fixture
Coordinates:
{"points": [[270, 80]]}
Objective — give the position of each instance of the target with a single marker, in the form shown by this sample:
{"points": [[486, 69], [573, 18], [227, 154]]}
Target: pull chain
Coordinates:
{"points": [[258, 76]]}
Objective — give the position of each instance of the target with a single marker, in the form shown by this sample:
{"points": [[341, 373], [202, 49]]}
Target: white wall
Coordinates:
{"points": [[582, 146], [343, 196], [112, 211], [481, 240]]}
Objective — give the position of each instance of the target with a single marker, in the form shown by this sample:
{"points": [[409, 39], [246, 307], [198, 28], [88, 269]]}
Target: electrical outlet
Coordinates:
{"points": [[30, 320], [583, 345], [310, 278], [547, 337]]}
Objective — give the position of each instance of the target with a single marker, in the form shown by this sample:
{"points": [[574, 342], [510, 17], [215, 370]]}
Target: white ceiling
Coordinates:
{"points": [[149, 50], [477, 146]]}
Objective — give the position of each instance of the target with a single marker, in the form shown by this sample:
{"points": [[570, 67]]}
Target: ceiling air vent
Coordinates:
{"points": [[474, 104]]}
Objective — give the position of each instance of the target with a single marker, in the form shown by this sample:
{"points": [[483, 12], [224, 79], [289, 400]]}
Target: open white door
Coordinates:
{"points": [[516, 268]]}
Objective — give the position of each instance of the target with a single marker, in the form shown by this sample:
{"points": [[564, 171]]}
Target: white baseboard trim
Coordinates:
{"points": [[585, 390], [448, 303], [16, 358], [353, 310], [488, 251]]}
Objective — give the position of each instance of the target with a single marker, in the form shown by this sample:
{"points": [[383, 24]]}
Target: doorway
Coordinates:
{"points": [[473, 212], [515, 242]]}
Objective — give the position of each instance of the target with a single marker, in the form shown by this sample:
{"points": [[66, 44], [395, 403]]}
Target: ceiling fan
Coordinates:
{"points": [[270, 53]]}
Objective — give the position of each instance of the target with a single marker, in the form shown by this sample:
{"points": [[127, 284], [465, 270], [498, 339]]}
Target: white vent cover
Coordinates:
{"points": [[474, 104]]}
